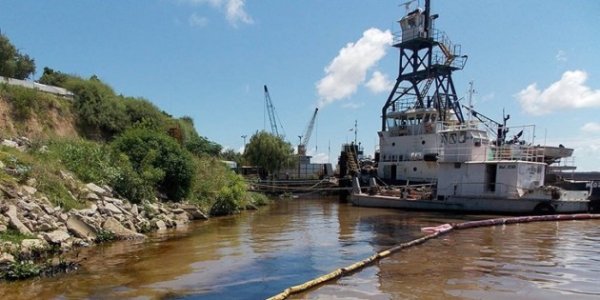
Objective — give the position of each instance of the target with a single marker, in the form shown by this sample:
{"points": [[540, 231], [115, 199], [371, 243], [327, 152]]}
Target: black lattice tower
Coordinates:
{"points": [[427, 60]]}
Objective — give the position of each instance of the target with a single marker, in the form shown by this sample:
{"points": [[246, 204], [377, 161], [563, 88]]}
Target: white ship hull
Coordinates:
{"points": [[473, 204]]}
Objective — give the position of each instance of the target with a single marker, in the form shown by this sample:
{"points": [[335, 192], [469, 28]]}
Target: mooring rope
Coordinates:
{"points": [[435, 232]]}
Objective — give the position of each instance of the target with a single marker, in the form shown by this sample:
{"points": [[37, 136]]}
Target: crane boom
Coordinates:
{"points": [[271, 112], [307, 133]]}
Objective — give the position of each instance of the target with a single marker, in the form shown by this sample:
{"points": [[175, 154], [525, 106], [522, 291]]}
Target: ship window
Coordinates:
{"points": [[422, 142], [393, 144], [415, 169], [444, 138], [462, 137], [457, 165], [453, 138], [477, 142]]}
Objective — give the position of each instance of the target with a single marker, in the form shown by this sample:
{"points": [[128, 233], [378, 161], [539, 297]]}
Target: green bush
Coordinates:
{"points": [[99, 163], [104, 236], [157, 157], [23, 100], [14, 236], [21, 270], [194, 143], [143, 114], [101, 113], [89, 161]]}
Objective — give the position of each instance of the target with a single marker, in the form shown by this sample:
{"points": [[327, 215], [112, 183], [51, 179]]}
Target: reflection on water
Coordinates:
{"points": [[552, 260], [260, 253]]}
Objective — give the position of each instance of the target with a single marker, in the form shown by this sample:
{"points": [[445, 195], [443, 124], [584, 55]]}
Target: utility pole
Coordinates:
{"points": [[244, 137], [355, 130]]}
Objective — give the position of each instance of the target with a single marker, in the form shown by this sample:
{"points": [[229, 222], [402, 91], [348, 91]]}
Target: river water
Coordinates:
{"points": [[258, 254]]}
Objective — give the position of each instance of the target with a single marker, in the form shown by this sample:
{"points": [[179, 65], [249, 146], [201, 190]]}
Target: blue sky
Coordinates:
{"points": [[209, 59]]}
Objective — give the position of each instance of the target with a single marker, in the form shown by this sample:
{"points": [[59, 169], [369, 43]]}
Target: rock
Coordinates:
{"points": [[182, 217], [28, 206], [96, 189], [56, 237], [160, 225], [46, 227], [48, 209], [3, 228], [80, 243], [180, 223], [168, 221], [66, 245], [113, 200], [80, 229], [66, 175], [29, 246], [92, 196], [119, 230], [63, 217], [177, 211], [109, 207], [134, 210], [129, 225], [14, 221], [6, 258], [194, 212], [9, 191], [31, 181], [108, 189], [29, 190], [9, 143], [89, 211]]}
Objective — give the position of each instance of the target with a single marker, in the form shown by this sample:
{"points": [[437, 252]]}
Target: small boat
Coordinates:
{"points": [[443, 160]]}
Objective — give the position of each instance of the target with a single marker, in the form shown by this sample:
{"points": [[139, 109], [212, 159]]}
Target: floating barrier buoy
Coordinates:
{"points": [[432, 232]]}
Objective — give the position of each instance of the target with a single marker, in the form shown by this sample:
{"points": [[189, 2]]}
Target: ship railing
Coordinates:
{"points": [[449, 126], [405, 104], [522, 153], [563, 164]]}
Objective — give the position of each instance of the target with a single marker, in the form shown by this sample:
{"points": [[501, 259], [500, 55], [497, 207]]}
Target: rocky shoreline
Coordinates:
{"points": [[46, 230]]}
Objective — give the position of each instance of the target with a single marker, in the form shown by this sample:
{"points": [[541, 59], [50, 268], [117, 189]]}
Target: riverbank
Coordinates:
{"points": [[34, 231], [46, 212]]}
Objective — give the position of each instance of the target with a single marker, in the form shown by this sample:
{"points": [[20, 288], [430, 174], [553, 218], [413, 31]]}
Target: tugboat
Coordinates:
{"points": [[444, 161]]}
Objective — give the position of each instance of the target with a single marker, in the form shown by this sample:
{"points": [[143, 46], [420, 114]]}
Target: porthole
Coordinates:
{"points": [[415, 169], [393, 144], [422, 142]]}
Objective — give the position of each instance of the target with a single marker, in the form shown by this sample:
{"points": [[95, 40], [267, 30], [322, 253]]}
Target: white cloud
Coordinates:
{"points": [[353, 105], [561, 56], [318, 158], [379, 83], [235, 12], [591, 127], [196, 20], [488, 97], [567, 93], [349, 68]]}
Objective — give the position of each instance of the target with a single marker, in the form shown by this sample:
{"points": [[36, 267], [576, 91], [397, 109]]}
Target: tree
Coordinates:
{"points": [[160, 159], [269, 151], [12, 63], [232, 155]]}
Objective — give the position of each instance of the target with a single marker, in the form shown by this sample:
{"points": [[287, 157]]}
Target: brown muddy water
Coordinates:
{"points": [[258, 254]]}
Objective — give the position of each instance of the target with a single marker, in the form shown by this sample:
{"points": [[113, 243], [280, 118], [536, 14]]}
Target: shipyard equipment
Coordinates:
{"points": [[427, 60], [304, 139], [273, 118]]}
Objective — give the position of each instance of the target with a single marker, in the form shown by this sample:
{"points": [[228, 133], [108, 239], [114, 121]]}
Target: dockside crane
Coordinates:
{"points": [[273, 118], [304, 139]]}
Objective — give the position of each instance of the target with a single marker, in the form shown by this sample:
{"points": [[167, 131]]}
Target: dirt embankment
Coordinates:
{"points": [[50, 117]]}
